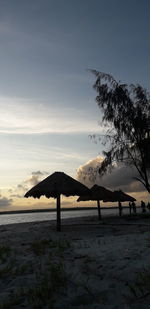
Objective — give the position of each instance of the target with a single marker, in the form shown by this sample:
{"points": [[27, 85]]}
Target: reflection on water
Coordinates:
{"points": [[44, 216]]}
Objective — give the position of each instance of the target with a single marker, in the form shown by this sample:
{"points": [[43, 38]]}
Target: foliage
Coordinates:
{"points": [[43, 293], [46, 289], [41, 280], [39, 246], [126, 112]]}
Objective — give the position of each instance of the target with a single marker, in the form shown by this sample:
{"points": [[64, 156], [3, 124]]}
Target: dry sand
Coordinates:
{"points": [[89, 264]]}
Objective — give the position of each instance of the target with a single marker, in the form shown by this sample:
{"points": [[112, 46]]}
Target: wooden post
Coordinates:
{"points": [[99, 210], [58, 214], [120, 208]]}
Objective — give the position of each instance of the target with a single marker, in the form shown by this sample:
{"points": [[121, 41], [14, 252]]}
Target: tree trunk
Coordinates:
{"points": [[99, 210], [58, 214], [147, 185]]}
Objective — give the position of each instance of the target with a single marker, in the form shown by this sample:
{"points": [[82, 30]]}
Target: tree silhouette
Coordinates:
{"points": [[126, 111]]}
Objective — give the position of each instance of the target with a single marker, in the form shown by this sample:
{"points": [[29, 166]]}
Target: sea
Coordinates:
{"points": [[21, 217]]}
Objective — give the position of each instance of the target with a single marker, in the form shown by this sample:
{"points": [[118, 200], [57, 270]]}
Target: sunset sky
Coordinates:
{"points": [[47, 103]]}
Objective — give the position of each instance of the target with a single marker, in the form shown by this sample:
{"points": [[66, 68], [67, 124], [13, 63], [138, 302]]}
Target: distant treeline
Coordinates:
{"points": [[54, 209]]}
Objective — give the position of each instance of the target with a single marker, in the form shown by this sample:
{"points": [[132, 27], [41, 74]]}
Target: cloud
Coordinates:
{"points": [[24, 116], [35, 178], [121, 177], [88, 172], [16, 195], [17, 192], [32, 180], [4, 201], [22, 187]]}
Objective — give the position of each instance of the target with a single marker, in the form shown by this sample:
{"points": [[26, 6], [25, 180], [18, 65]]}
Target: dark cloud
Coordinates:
{"points": [[22, 187], [39, 173], [121, 176], [4, 201], [34, 179]]}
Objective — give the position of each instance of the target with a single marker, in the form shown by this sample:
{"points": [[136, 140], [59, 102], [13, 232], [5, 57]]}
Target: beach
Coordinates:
{"points": [[89, 264]]}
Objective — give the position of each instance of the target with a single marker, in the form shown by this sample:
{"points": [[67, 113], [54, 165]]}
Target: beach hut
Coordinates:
{"points": [[53, 186], [97, 193]]}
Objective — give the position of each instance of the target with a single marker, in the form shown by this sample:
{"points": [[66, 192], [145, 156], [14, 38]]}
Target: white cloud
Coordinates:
{"points": [[28, 116]]}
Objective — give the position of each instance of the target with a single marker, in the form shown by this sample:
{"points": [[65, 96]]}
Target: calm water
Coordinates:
{"points": [[44, 216]]}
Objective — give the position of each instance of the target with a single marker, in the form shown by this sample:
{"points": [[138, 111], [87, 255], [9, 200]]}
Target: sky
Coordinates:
{"points": [[47, 100]]}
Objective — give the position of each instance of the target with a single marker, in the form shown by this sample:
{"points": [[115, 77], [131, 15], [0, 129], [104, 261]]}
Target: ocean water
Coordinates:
{"points": [[44, 216]]}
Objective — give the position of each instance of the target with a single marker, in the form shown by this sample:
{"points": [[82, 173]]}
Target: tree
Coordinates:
{"points": [[126, 111]]}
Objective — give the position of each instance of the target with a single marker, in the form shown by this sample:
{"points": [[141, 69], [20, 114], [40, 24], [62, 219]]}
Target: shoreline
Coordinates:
{"points": [[45, 210], [9, 212]]}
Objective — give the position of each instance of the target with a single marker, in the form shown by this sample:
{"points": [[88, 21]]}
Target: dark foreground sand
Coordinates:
{"points": [[88, 265]]}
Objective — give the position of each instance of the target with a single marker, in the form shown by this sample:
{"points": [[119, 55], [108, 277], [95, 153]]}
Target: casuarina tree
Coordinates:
{"points": [[126, 112]]}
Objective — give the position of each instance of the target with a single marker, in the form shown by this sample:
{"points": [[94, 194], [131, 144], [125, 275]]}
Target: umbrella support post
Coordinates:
{"points": [[99, 210], [120, 209], [58, 214]]}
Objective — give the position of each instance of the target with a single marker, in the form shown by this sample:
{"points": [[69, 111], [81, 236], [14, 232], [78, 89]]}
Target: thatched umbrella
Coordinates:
{"points": [[120, 196], [53, 186], [97, 193]]}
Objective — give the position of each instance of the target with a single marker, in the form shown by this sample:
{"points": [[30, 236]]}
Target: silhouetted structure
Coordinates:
{"points": [[97, 193], [120, 208], [130, 208], [53, 186]]}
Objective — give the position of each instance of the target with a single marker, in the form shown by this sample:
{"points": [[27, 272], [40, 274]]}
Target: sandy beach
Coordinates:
{"points": [[89, 264]]}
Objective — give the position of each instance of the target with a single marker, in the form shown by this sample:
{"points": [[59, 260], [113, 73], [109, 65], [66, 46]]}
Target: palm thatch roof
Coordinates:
{"points": [[56, 184], [120, 196], [96, 193], [53, 186]]}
